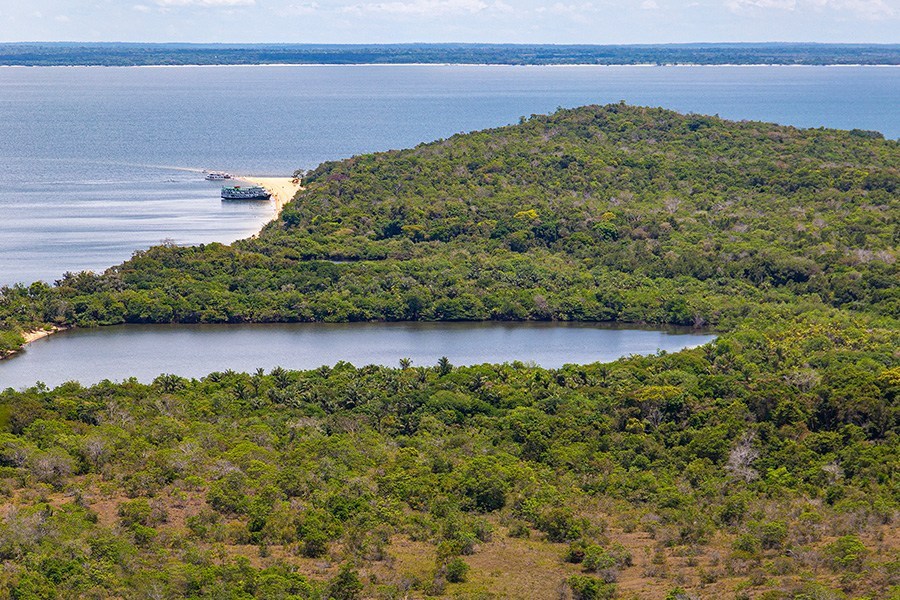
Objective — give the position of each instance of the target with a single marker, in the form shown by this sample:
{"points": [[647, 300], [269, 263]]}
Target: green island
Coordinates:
{"points": [[762, 465]]}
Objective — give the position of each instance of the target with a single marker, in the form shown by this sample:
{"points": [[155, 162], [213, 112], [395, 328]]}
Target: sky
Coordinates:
{"points": [[511, 21]]}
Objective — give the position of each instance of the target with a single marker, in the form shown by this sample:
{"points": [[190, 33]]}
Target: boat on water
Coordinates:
{"points": [[218, 176], [253, 192]]}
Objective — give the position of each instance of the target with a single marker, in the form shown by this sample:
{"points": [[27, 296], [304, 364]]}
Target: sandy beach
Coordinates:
{"points": [[31, 336], [37, 334], [282, 189]]}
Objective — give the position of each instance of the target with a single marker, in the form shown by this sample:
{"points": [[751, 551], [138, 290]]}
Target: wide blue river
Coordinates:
{"points": [[98, 162]]}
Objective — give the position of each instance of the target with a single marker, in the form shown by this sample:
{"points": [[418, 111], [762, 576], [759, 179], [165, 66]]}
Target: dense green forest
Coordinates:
{"points": [[135, 54], [599, 213], [763, 465]]}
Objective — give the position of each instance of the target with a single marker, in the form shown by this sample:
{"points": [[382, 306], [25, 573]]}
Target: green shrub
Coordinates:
{"points": [[143, 535], [596, 558], [315, 544], [677, 593], [559, 524], [456, 570], [229, 494], [135, 512], [590, 588], [771, 534], [747, 543], [576, 552], [345, 585], [518, 529], [847, 552]]}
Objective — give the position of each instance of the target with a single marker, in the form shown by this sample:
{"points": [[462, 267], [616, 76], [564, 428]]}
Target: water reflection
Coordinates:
{"points": [[145, 351]]}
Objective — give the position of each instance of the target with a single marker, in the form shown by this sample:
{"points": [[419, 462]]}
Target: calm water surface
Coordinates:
{"points": [[91, 355], [98, 162]]}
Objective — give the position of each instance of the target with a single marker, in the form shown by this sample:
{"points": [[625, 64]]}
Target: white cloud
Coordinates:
{"points": [[141, 8], [649, 5], [561, 8], [865, 9], [423, 8], [300, 9], [871, 9], [741, 5], [62, 18], [205, 3]]}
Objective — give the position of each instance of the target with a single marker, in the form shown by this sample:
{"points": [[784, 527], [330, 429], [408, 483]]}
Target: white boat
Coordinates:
{"points": [[217, 176], [254, 192]]}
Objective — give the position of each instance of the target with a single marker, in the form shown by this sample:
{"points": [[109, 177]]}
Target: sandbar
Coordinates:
{"points": [[283, 189]]}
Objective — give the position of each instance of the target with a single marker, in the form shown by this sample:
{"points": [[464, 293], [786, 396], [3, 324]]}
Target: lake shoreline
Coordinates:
{"points": [[37, 334], [145, 351], [32, 335]]}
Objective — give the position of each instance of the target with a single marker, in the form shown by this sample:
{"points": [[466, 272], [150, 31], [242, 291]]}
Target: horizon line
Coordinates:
{"points": [[458, 43]]}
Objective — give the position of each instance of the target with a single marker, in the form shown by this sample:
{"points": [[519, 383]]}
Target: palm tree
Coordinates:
{"points": [[444, 365]]}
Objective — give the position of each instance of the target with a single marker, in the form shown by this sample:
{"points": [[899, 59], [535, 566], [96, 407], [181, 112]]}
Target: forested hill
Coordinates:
{"points": [[647, 192], [136, 54], [597, 213], [761, 466]]}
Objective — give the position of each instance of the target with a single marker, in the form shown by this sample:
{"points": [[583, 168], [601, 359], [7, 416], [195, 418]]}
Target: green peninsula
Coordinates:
{"points": [[598, 213], [763, 465]]}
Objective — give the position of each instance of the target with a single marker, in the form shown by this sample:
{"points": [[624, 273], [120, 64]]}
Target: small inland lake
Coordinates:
{"points": [[146, 351]]}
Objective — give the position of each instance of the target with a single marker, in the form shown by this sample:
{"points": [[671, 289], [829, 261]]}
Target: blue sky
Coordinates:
{"points": [[519, 21]]}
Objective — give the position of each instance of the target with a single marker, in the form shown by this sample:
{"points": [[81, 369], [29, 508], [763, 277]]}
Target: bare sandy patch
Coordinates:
{"points": [[283, 189]]}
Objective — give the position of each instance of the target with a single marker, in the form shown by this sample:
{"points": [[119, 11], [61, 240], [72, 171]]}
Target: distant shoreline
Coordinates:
{"points": [[463, 54], [453, 64]]}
